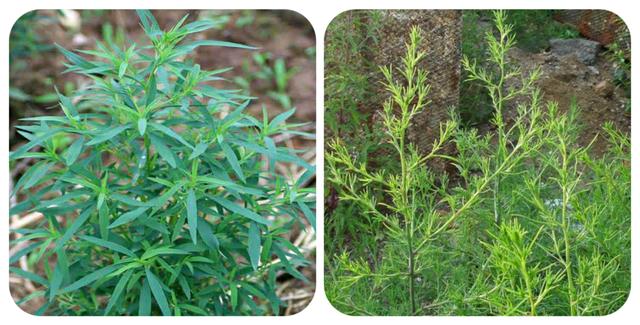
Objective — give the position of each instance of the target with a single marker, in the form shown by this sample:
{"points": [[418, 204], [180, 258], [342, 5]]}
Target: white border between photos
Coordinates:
{"points": [[319, 13]]}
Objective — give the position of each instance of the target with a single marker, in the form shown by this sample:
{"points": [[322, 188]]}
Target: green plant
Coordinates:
{"points": [[346, 78], [160, 196], [24, 39], [223, 18], [277, 77], [403, 217], [518, 230], [475, 104], [25, 43], [115, 37], [247, 18], [622, 71], [534, 29], [520, 286], [348, 88]]}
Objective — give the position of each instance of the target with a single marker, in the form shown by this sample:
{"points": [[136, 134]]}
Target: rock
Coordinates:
{"points": [[70, 19], [584, 50], [569, 69], [604, 89], [593, 70], [80, 40]]}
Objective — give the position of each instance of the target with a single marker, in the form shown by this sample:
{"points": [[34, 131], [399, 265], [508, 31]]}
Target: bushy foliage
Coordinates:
{"points": [[532, 224], [159, 193]]}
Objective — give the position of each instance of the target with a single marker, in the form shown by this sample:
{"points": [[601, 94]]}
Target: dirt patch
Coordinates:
{"points": [[566, 79]]}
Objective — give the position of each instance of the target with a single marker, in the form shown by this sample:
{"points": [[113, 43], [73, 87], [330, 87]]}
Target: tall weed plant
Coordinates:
{"points": [[532, 224]]}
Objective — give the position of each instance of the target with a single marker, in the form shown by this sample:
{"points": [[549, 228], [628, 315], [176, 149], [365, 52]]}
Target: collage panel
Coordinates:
{"points": [[477, 162], [162, 162]]}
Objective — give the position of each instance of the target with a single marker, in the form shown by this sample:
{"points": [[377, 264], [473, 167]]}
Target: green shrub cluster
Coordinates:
{"points": [[159, 195]]}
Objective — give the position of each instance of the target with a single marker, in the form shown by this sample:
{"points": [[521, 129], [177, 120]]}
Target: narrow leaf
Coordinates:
{"points": [[103, 221], [107, 135], [56, 281], [118, 291], [122, 69], [39, 171], [198, 150], [192, 215], [241, 210], [254, 245], [29, 275], [281, 118], [185, 286], [162, 251], [142, 125], [80, 220], [234, 296], [128, 217], [233, 160], [144, 305], [158, 293], [108, 244], [169, 132], [209, 238], [163, 150], [90, 278], [308, 213], [196, 44], [74, 151]]}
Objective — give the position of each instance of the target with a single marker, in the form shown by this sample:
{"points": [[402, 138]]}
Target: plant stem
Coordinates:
{"points": [[411, 274], [527, 282], [408, 220], [147, 145], [567, 265], [566, 225]]}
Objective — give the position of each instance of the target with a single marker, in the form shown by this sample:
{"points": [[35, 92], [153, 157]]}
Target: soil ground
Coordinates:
{"points": [[565, 79]]}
